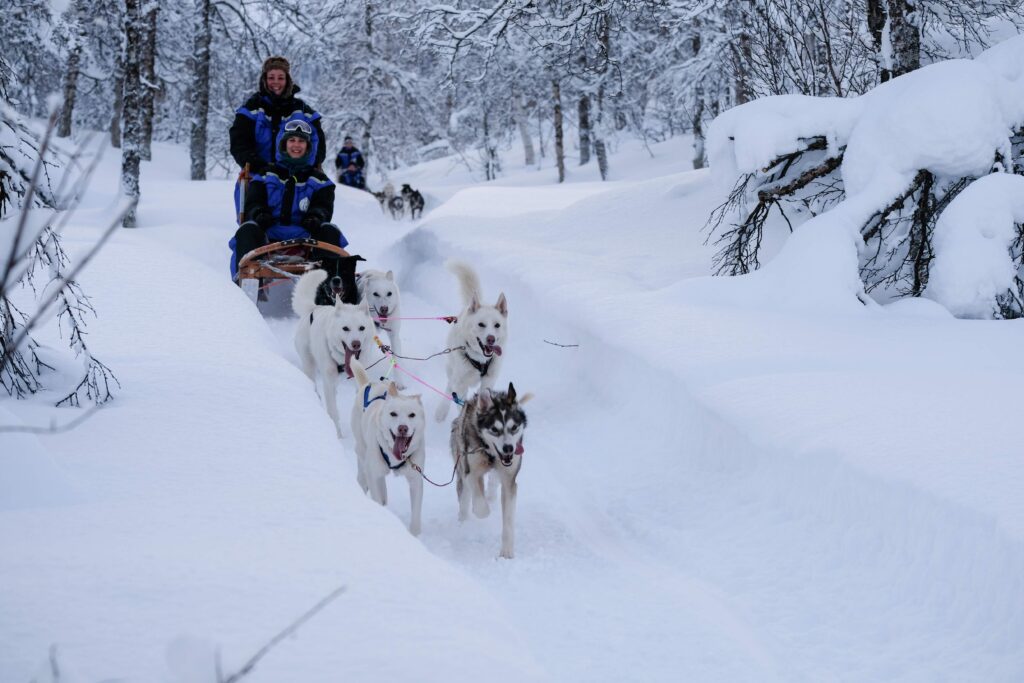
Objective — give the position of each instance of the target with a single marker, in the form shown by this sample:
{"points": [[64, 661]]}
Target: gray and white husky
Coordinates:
{"points": [[481, 332], [389, 430], [380, 292], [327, 338], [487, 437]]}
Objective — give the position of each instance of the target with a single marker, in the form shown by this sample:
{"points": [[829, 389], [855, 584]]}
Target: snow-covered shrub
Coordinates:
{"points": [[979, 245], [892, 159]]}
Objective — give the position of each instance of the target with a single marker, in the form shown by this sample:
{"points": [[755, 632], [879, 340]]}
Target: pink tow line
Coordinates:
{"points": [[387, 352]]}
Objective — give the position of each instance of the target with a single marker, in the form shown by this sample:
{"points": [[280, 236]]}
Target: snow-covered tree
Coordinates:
{"points": [[34, 258]]}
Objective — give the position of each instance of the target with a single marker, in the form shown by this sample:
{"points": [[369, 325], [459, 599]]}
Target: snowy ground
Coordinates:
{"points": [[711, 491]]}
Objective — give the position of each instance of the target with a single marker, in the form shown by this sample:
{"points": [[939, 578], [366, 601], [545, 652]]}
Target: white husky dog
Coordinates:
{"points": [[389, 430], [481, 331], [379, 290], [327, 338]]}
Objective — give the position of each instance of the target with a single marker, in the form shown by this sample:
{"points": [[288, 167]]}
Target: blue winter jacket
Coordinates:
{"points": [[349, 156]]}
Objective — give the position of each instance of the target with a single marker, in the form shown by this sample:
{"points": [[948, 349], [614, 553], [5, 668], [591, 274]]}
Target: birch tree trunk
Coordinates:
{"points": [[556, 96], [201, 84], [896, 36], [76, 41], [540, 132], [697, 123], [149, 84], [742, 56], [584, 116], [600, 150], [117, 110], [524, 130], [371, 117], [905, 35], [698, 130], [134, 31]]}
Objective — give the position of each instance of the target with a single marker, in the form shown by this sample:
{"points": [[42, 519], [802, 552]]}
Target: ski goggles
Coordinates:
{"points": [[298, 125]]}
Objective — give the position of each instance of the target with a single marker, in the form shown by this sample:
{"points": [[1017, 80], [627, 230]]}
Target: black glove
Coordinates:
{"points": [[258, 167], [310, 223], [264, 219]]}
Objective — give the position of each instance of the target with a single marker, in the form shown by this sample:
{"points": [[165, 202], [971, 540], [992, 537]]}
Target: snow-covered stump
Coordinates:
{"points": [[979, 250]]}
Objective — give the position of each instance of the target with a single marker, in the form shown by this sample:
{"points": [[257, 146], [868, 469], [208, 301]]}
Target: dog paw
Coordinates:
{"points": [[506, 553], [414, 529]]}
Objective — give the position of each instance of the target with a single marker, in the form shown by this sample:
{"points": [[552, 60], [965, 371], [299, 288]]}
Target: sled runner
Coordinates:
{"points": [[285, 260]]}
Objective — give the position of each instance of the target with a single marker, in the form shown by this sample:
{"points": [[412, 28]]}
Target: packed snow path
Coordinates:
{"points": [[654, 540]]}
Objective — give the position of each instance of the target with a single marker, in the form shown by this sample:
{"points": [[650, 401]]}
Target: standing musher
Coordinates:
{"points": [[293, 199]]}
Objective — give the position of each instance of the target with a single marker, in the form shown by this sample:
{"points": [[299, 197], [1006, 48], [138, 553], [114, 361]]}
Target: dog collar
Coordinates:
{"points": [[480, 367], [387, 460]]}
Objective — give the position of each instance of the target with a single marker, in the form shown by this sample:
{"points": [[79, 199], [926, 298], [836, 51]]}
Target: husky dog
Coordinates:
{"points": [[382, 199], [481, 331], [327, 338], [414, 200], [396, 205], [389, 433], [487, 436], [385, 196], [380, 292]]}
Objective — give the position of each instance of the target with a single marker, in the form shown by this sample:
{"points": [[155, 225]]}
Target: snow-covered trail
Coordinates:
{"points": [[656, 540], [653, 537]]}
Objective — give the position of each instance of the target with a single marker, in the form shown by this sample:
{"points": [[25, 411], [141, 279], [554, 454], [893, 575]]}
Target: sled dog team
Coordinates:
{"points": [[389, 426]]}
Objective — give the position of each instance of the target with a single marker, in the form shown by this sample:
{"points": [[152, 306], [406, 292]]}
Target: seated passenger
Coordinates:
{"points": [[294, 200], [353, 177]]}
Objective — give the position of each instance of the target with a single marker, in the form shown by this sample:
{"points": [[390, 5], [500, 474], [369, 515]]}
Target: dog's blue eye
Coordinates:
{"points": [[346, 329]]}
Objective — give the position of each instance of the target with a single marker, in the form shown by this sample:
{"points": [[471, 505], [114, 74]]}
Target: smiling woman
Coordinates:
{"points": [[258, 122]]}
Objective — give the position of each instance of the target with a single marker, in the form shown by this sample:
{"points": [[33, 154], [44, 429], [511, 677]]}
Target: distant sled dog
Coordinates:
{"points": [[379, 291], [389, 430], [328, 338], [396, 205], [385, 196], [487, 437], [413, 200], [481, 332]]}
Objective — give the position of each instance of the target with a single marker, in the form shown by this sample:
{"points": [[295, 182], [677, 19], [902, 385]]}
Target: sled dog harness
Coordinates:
{"points": [[482, 368], [366, 404], [367, 400], [387, 460]]}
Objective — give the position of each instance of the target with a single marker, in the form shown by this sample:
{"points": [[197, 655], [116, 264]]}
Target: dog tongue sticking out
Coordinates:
{"points": [[519, 446], [495, 349], [348, 358], [401, 446]]}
